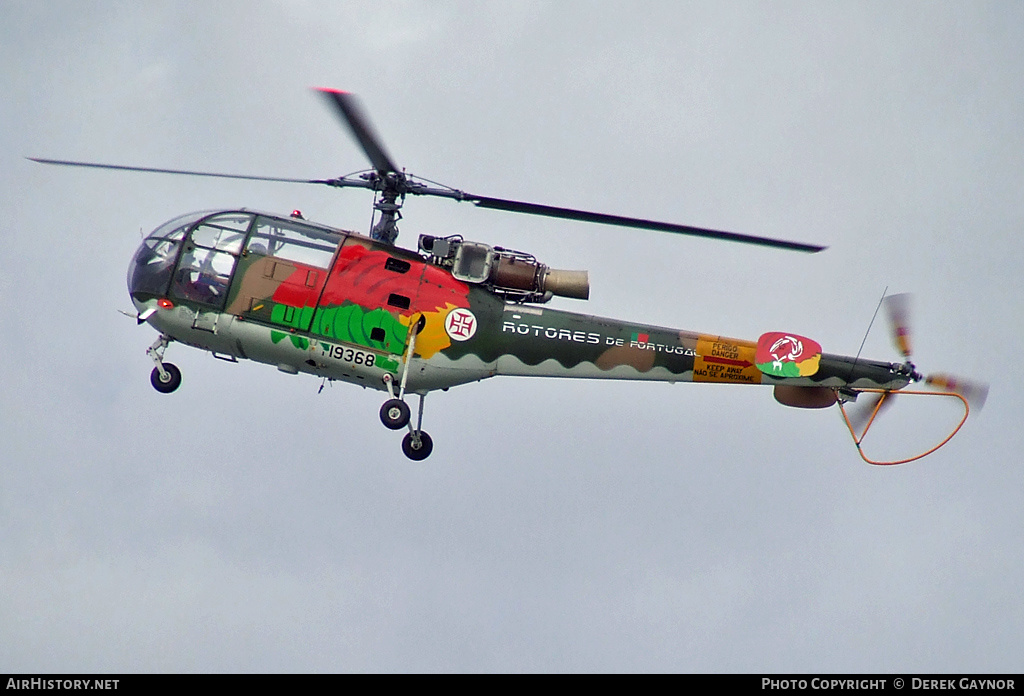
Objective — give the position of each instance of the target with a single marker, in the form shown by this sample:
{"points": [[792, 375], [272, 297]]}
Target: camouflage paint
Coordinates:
{"points": [[360, 296], [535, 341], [300, 342], [373, 293], [276, 291], [353, 324]]}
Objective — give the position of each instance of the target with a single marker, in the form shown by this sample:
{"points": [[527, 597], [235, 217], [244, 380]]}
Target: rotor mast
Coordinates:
{"points": [[386, 179], [389, 205]]}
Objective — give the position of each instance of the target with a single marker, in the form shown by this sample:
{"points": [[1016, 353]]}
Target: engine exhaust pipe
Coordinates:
{"points": [[575, 284]]}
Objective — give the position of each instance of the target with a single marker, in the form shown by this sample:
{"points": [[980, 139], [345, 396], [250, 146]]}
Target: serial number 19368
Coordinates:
{"points": [[350, 355]]}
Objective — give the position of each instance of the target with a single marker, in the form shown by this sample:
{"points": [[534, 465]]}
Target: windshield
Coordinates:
{"points": [[150, 269]]}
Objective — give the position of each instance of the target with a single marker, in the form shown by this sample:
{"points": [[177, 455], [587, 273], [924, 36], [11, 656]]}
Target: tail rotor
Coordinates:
{"points": [[898, 309], [860, 416]]}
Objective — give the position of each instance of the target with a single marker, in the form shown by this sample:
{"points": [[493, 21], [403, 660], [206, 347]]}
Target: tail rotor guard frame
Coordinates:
{"points": [[887, 394]]}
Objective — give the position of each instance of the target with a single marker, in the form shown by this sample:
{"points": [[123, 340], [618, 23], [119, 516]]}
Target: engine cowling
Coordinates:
{"points": [[515, 274]]}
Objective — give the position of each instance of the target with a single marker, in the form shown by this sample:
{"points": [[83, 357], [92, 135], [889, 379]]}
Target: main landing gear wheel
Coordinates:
{"points": [[417, 448], [167, 382], [394, 414]]}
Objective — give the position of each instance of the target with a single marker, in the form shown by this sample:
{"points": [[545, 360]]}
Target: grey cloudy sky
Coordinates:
{"points": [[246, 523]]}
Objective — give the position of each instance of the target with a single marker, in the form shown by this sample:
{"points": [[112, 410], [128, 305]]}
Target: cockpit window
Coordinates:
{"points": [[223, 232], [175, 229], [150, 270], [290, 241], [162, 251], [204, 275], [204, 272]]}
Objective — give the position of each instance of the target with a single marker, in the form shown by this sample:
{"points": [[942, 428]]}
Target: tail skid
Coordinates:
{"points": [[884, 396]]}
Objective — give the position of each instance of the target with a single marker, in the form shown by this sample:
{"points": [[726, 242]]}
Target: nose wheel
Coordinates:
{"points": [[167, 381], [165, 377]]}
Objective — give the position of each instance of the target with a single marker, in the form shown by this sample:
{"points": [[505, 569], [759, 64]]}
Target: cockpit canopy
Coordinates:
{"points": [[151, 267], [193, 257]]}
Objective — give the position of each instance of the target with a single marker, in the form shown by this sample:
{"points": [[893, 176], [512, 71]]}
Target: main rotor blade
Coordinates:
{"points": [[122, 167], [602, 218], [348, 107]]}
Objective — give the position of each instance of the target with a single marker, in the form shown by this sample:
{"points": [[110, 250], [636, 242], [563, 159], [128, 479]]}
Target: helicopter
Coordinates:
{"points": [[309, 298]]}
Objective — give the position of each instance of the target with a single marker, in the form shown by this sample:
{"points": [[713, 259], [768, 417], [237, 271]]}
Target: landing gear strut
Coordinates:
{"points": [[416, 444], [395, 415], [166, 377]]}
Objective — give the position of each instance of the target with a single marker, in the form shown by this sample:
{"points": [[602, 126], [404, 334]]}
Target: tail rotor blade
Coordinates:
{"points": [[898, 309], [861, 413], [975, 392]]}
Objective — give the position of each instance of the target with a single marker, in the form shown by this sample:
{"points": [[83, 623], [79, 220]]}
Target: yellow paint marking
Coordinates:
{"points": [[433, 337], [725, 360]]}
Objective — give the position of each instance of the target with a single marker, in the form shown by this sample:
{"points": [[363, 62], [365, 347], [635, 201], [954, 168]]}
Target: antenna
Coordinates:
{"points": [[870, 324]]}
